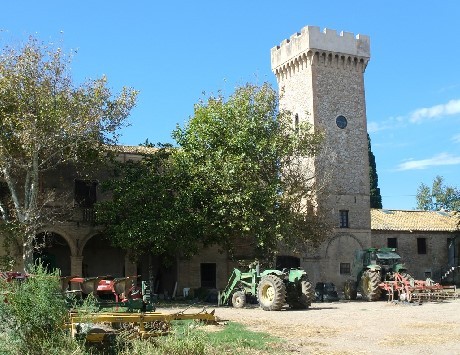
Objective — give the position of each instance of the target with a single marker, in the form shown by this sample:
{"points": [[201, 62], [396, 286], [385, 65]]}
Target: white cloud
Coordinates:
{"points": [[389, 123], [456, 138], [450, 108], [440, 159]]}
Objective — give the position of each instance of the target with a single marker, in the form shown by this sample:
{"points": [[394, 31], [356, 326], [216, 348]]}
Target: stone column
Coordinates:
{"points": [[76, 263], [75, 269]]}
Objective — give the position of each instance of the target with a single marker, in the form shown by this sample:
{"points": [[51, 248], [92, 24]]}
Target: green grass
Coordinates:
{"points": [[191, 338], [236, 337]]}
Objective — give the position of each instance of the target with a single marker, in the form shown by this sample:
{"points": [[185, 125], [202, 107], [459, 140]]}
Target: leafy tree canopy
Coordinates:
{"points": [[248, 165], [151, 209], [46, 120], [440, 196], [239, 174]]}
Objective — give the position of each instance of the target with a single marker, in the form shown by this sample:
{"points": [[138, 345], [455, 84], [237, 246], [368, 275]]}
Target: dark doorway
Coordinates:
{"points": [[208, 275], [165, 276], [287, 262], [53, 252]]}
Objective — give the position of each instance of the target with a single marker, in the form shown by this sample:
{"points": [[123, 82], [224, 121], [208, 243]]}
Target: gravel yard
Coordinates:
{"points": [[358, 327]]}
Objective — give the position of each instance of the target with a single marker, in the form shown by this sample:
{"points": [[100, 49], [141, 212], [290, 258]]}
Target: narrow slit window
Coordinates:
{"points": [[344, 223]]}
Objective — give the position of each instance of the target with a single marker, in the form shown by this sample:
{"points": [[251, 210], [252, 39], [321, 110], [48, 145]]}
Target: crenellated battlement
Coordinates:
{"points": [[313, 43]]}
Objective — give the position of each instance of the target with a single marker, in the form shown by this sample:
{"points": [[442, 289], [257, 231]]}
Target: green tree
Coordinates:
{"points": [[440, 196], [45, 121], [248, 167], [376, 198], [152, 210]]}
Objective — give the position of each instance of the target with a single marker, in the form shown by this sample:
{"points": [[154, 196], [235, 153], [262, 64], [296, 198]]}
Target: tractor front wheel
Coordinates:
{"points": [[271, 293], [370, 289], [239, 299], [349, 290]]}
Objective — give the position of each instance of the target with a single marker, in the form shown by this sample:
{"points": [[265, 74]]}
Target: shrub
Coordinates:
{"points": [[33, 316]]}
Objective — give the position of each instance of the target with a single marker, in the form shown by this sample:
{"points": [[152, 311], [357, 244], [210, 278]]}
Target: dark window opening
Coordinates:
{"points": [[287, 262], [345, 269], [344, 219], [421, 245], [208, 275], [85, 193], [296, 123], [392, 242]]}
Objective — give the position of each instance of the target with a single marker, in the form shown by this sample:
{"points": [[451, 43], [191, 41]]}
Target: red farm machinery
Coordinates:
{"points": [[380, 272]]}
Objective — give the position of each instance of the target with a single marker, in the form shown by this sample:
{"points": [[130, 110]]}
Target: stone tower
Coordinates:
{"points": [[320, 76]]}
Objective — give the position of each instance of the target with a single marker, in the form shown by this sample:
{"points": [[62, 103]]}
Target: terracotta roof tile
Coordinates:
{"points": [[132, 149], [399, 220]]}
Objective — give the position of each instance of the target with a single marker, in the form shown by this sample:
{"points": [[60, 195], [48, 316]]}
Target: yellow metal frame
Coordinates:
{"points": [[138, 318]]}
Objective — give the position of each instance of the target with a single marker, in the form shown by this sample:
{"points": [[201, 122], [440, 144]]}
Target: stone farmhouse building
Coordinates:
{"points": [[320, 75]]}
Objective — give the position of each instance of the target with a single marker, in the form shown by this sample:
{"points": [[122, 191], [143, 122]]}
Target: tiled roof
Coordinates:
{"points": [[132, 149], [398, 220]]}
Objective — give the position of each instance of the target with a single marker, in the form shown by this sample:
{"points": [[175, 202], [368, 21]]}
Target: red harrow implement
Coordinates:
{"points": [[405, 288]]}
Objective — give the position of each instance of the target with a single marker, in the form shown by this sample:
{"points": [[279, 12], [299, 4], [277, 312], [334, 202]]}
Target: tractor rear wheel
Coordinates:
{"points": [[370, 289], [349, 290], [271, 293], [239, 299]]}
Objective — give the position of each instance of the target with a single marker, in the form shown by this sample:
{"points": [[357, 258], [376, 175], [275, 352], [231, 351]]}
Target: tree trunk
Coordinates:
{"points": [[28, 253], [151, 277]]}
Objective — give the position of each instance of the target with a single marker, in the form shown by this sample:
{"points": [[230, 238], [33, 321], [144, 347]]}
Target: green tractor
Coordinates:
{"points": [[272, 288], [371, 267]]}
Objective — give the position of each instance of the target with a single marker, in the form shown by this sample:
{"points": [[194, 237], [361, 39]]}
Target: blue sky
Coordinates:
{"points": [[172, 52]]}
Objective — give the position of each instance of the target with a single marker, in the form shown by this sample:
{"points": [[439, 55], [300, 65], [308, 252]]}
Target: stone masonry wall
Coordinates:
{"points": [[418, 265], [321, 76]]}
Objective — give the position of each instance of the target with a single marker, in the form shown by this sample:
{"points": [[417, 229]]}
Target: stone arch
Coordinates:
{"points": [[71, 241], [338, 236], [54, 250], [100, 258]]}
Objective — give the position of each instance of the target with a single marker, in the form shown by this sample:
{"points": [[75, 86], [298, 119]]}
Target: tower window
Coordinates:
{"points": [[344, 219], [392, 242], [296, 123], [421, 245], [341, 121], [345, 269]]}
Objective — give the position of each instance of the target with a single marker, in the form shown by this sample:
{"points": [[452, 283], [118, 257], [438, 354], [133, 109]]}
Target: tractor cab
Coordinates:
{"points": [[385, 260]]}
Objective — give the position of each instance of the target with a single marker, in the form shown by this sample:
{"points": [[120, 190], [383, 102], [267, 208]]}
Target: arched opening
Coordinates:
{"points": [[53, 251], [100, 258]]}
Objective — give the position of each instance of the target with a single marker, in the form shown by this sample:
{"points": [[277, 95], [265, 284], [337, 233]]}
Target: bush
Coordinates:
{"points": [[33, 316]]}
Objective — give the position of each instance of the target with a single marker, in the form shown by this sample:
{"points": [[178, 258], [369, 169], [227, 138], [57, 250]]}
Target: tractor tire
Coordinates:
{"points": [[239, 299], [369, 286], [304, 299], [271, 293], [350, 291]]}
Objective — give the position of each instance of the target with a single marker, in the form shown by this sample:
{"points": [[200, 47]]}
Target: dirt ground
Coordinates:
{"points": [[357, 327]]}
